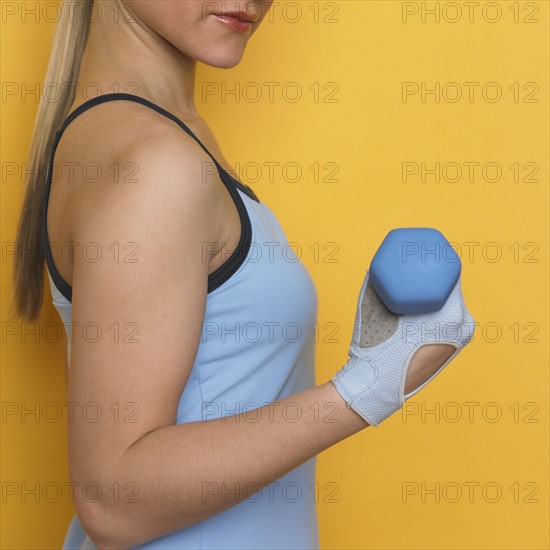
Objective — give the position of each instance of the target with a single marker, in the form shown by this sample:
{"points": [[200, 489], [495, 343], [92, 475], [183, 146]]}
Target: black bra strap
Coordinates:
{"points": [[224, 271], [137, 99]]}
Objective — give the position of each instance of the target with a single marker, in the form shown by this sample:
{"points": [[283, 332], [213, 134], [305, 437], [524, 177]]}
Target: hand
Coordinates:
{"points": [[386, 346]]}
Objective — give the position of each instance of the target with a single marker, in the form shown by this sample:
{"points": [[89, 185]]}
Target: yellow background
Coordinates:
{"points": [[367, 52]]}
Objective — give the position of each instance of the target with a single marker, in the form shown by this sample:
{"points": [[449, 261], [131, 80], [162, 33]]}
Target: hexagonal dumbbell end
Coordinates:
{"points": [[414, 270]]}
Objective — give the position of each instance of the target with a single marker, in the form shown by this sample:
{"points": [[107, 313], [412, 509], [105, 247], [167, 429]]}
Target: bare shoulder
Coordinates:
{"points": [[126, 151]]}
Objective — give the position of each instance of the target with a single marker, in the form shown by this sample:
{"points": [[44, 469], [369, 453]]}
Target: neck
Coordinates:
{"points": [[138, 62]]}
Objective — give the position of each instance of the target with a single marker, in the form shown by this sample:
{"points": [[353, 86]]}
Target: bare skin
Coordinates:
{"points": [[169, 462]]}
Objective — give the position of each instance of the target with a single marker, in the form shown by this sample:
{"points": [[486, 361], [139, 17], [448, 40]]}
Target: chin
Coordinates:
{"points": [[224, 59]]}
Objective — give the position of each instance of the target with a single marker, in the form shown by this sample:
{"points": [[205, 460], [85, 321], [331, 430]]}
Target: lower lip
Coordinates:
{"points": [[234, 23]]}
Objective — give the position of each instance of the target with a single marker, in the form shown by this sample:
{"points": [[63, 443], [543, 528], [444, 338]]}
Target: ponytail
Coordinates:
{"points": [[64, 66]]}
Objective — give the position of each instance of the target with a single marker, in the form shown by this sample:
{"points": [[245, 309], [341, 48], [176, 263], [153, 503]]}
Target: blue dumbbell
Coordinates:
{"points": [[410, 297], [415, 270]]}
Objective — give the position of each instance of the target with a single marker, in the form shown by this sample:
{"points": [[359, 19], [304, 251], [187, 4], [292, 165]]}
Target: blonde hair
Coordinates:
{"points": [[70, 39]]}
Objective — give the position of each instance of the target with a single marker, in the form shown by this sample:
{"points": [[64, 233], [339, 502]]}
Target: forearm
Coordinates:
{"points": [[175, 464]]}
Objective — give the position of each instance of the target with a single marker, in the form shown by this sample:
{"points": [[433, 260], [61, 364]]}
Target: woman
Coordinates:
{"points": [[189, 333]]}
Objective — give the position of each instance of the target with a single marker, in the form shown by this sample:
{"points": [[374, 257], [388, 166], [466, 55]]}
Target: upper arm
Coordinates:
{"points": [[139, 295]]}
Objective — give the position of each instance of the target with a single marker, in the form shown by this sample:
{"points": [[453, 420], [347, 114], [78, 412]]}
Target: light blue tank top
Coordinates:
{"points": [[257, 346]]}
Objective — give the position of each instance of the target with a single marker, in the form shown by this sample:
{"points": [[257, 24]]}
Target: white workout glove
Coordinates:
{"points": [[372, 382]]}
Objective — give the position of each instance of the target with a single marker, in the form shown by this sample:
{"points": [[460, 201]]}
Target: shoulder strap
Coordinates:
{"points": [[120, 96], [137, 99]]}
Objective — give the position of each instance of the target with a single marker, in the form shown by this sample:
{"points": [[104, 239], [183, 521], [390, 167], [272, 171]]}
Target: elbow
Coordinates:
{"points": [[104, 528], [109, 530], [109, 520]]}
